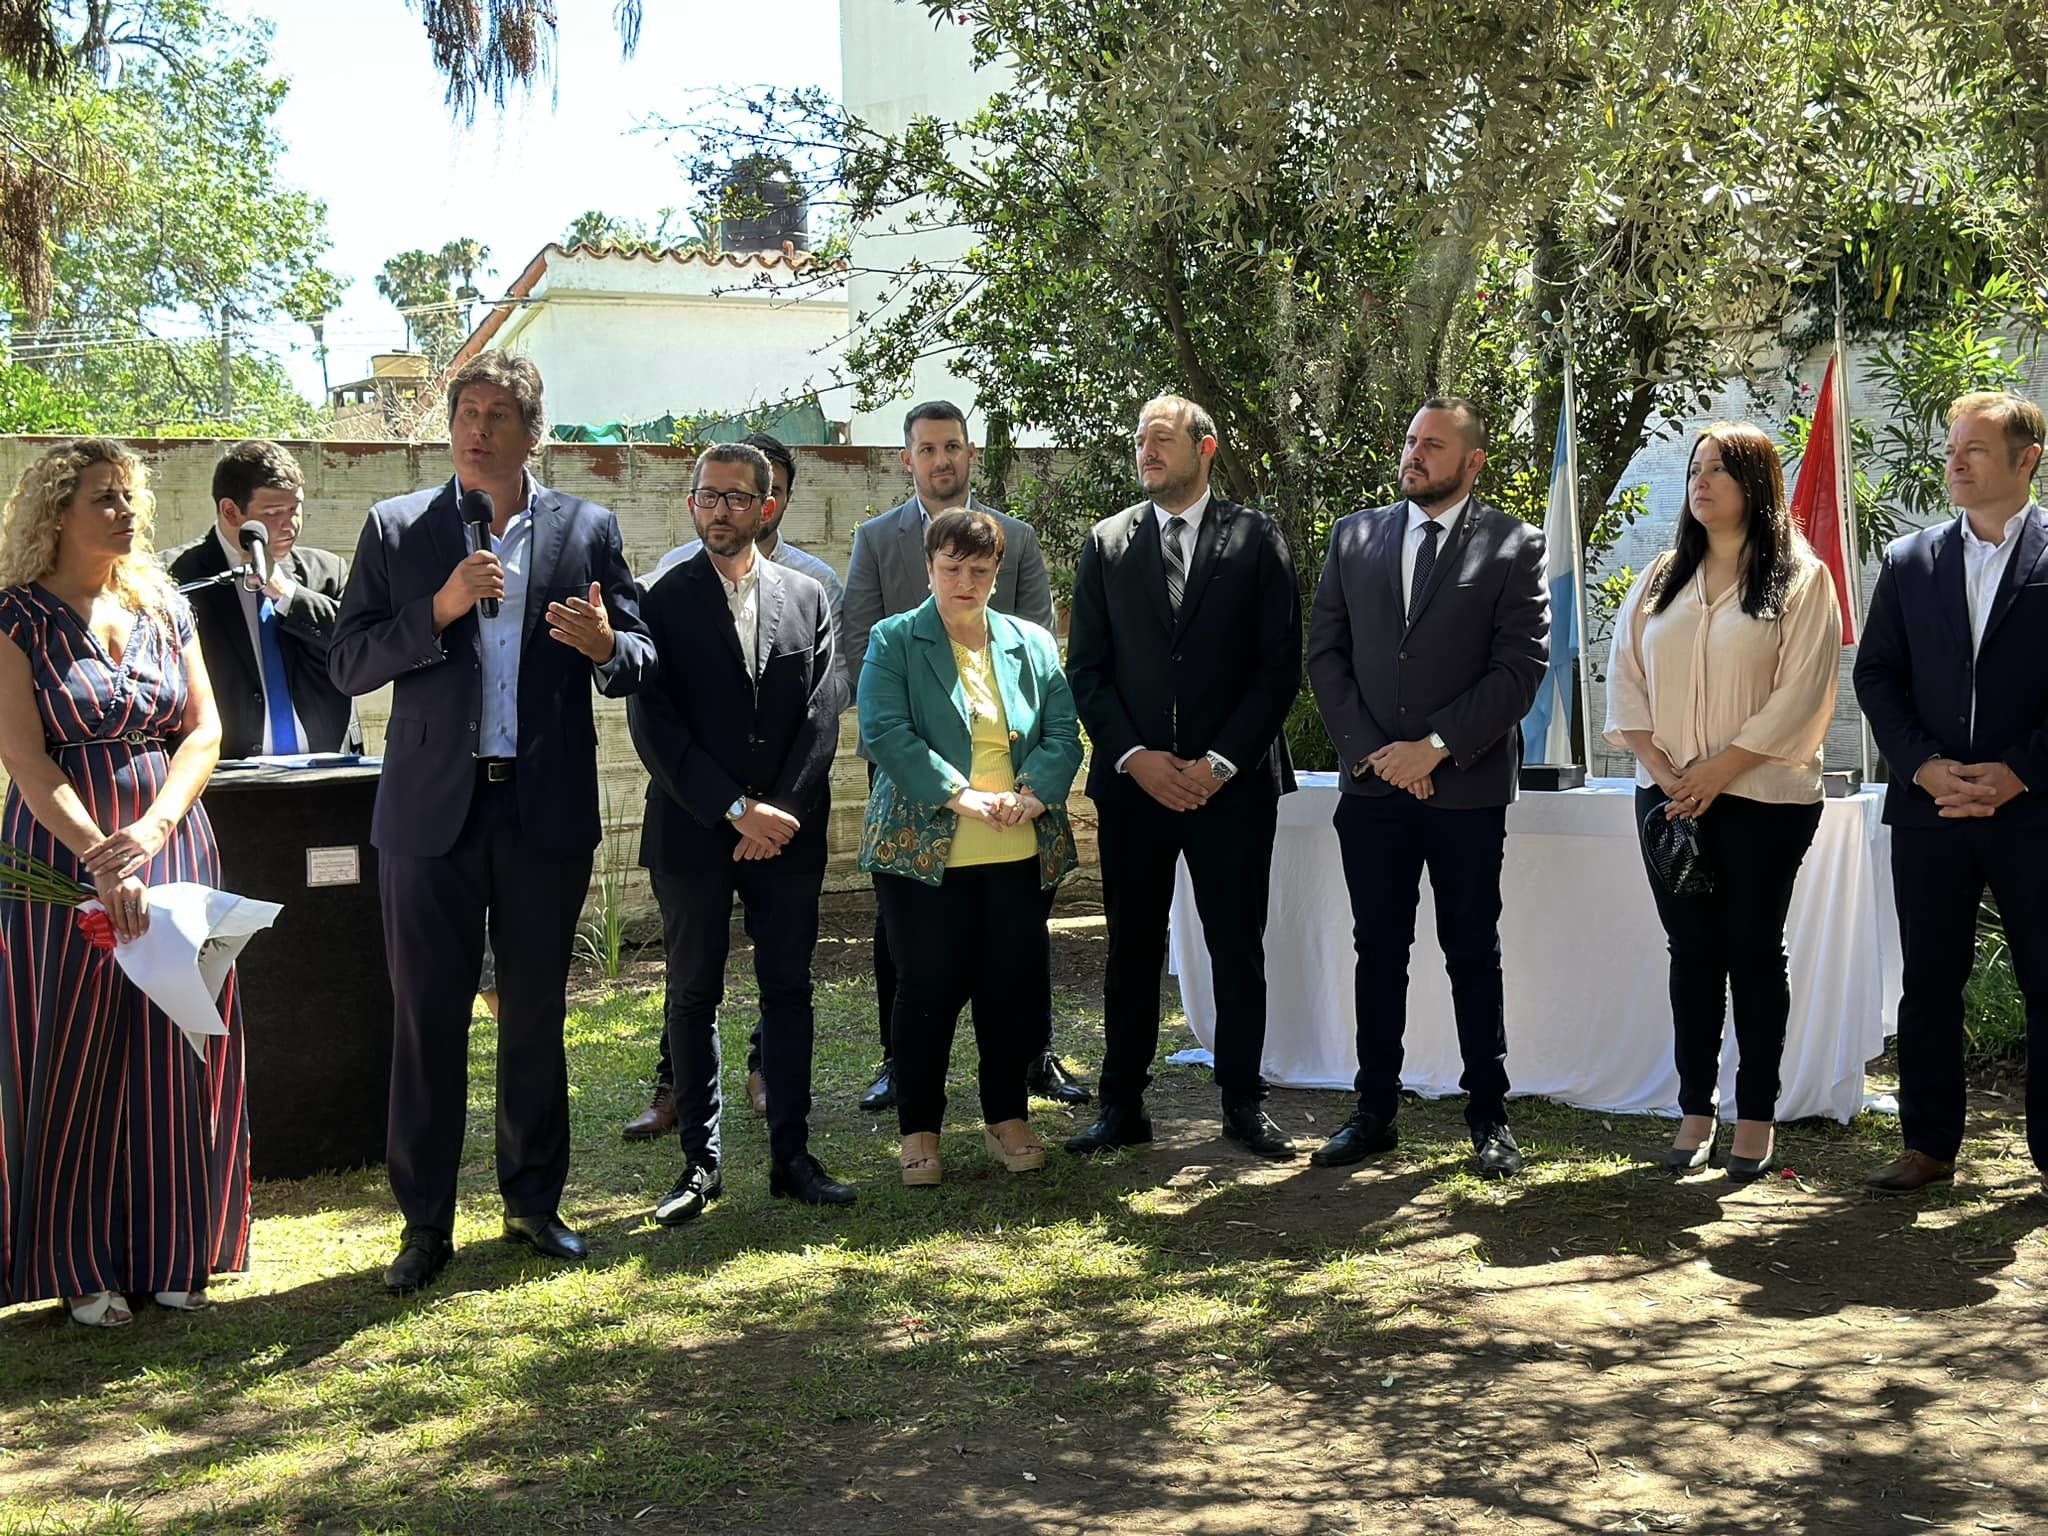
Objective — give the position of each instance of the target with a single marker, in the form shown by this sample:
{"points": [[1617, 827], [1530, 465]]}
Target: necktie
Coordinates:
{"points": [[1176, 564], [1425, 564], [277, 692]]}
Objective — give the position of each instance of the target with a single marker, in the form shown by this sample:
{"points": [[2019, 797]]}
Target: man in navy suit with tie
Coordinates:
{"points": [[1952, 678], [1426, 644], [488, 802]]}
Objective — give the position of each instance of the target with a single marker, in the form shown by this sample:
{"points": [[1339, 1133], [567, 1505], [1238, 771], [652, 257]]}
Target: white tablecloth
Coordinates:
{"points": [[1588, 1017]]}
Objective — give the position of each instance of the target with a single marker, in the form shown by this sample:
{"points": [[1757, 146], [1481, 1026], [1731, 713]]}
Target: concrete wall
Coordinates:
{"points": [[647, 488]]}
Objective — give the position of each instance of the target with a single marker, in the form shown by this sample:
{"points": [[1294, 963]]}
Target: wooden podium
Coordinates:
{"points": [[316, 994]]}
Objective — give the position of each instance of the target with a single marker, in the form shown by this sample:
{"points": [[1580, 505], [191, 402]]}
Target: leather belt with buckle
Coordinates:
{"points": [[495, 770]]}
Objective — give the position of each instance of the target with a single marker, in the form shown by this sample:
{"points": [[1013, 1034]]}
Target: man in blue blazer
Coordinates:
{"points": [[737, 734], [1426, 644], [488, 802], [1952, 674]]}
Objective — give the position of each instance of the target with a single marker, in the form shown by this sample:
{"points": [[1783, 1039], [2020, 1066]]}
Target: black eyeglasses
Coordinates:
{"points": [[737, 501]]}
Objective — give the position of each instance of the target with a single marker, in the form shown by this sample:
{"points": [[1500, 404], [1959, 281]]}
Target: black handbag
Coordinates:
{"points": [[1671, 845]]}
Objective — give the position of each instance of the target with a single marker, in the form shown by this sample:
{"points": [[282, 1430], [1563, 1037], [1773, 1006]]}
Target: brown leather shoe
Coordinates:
{"points": [[1909, 1173], [658, 1119], [757, 1092]]}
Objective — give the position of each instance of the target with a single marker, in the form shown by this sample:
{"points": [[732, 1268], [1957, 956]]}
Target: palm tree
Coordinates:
{"points": [[310, 300], [412, 280]]}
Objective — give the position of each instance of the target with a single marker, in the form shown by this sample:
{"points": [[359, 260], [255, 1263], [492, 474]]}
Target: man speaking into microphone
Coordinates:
{"points": [[488, 803], [265, 629]]}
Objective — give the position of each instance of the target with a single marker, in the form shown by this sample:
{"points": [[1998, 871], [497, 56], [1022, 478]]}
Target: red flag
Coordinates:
{"points": [[1817, 510]]}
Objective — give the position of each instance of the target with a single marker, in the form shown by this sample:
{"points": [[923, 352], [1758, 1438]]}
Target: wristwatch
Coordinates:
{"points": [[1438, 742], [1221, 771], [737, 809]]}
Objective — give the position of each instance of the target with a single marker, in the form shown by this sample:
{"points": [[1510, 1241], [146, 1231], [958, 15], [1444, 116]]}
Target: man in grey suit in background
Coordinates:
{"points": [[886, 576], [1426, 645]]}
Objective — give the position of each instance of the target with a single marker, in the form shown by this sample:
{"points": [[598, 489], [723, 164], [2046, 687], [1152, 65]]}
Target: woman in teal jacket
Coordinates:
{"points": [[972, 728]]}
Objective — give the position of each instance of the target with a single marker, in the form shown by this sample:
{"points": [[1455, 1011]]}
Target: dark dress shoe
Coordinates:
{"points": [[1689, 1159], [422, 1254], [1116, 1126], [686, 1199], [1747, 1170], [1361, 1136], [1050, 1079], [1495, 1154], [806, 1180], [757, 1092], [657, 1119], [1253, 1129], [545, 1234], [881, 1094], [1909, 1173]]}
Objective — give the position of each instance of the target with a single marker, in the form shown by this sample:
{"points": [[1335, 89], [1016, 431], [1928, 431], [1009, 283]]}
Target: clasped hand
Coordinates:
{"points": [[1691, 790], [1178, 783], [764, 831], [1408, 765], [120, 854], [1966, 790], [998, 808]]}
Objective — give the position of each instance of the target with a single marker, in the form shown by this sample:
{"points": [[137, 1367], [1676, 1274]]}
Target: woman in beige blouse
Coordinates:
{"points": [[1722, 683]]}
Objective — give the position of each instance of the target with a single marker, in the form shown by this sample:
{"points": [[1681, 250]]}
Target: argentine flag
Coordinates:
{"points": [[1547, 732]]}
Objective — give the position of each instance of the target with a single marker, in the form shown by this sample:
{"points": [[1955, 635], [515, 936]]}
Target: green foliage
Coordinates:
{"points": [[157, 204], [672, 230], [601, 937], [1994, 1013], [32, 402], [1962, 344]]}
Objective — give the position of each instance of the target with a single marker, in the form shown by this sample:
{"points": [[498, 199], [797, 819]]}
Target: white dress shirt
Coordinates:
{"points": [[1983, 569], [1411, 540], [251, 601], [743, 597], [1191, 520]]}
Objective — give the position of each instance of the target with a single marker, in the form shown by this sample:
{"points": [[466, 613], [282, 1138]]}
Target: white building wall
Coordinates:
{"points": [[633, 337], [897, 64], [621, 358]]}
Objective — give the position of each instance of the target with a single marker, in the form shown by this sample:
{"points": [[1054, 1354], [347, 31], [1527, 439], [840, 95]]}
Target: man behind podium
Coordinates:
{"points": [[267, 648], [488, 803]]}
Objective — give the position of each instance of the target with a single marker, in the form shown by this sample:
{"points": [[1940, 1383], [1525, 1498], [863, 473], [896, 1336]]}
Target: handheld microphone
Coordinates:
{"points": [[255, 540], [476, 514]]}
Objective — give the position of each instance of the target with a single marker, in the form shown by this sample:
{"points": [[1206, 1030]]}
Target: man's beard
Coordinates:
{"points": [[1170, 487], [932, 499], [1430, 493]]}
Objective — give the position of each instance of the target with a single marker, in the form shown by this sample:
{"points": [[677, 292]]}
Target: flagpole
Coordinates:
{"points": [[1845, 482], [1580, 626]]}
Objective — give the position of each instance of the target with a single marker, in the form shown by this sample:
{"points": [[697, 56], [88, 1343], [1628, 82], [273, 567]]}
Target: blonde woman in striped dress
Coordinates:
{"points": [[124, 1153]]}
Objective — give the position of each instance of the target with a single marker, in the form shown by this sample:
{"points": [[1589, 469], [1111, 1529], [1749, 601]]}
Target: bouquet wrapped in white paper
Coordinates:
{"points": [[181, 963]]}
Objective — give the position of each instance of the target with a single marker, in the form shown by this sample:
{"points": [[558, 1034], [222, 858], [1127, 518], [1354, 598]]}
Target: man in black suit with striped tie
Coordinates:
{"points": [[1184, 654]]}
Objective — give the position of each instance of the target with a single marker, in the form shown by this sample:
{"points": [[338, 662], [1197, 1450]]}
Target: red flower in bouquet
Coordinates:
{"points": [[97, 927]]}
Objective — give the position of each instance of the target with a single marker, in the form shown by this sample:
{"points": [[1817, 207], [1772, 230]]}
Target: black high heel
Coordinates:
{"points": [[1747, 1170], [1690, 1159]]}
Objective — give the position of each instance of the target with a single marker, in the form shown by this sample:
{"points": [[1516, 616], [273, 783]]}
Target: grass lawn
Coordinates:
{"points": [[1178, 1339]]}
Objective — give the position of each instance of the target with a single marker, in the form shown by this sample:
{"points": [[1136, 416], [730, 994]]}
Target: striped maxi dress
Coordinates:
{"points": [[124, 1157]]}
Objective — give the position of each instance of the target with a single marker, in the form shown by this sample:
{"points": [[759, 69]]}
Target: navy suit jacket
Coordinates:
{"points": [[709, 733], [1915, 674], [1466, 665], [386, 635]]}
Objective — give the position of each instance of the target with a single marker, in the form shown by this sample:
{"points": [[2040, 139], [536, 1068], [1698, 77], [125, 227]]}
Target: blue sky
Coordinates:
{"points": [[367, 131]]}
